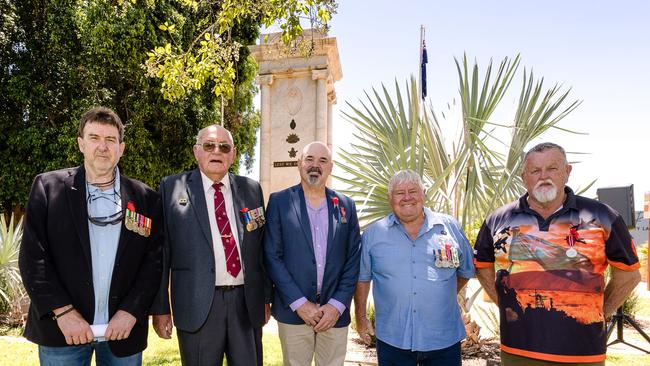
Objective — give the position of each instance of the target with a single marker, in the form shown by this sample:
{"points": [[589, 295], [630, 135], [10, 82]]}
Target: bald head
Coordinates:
{"points": [[316, 146], [315, 165], [216, 129]]}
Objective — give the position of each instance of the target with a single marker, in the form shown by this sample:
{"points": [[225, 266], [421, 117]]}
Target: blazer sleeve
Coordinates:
{"points": [[350, 274], [34, 260], [274, 254], [139, 298], [160, 303]]}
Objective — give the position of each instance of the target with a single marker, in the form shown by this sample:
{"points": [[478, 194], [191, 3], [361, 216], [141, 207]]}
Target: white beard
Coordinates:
{"points": [[544, 194]]}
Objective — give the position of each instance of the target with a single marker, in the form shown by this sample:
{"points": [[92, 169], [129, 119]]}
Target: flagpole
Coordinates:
{"points": [[420, 63]]}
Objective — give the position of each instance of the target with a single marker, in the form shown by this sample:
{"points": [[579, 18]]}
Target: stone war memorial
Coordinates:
{"points": [[297, 94]]}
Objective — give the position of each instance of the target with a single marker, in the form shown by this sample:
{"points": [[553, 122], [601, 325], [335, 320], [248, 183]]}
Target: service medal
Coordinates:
{"points": [[571, 253]]}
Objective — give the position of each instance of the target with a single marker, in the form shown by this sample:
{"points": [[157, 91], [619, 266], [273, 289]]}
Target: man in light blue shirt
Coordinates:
{"points": [[418, 261]]}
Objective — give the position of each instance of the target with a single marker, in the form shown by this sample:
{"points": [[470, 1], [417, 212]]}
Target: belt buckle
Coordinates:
{"points": [[226, 288]]}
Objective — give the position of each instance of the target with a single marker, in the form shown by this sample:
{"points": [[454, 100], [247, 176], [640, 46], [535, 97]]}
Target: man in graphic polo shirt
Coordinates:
{"points": [[548, 252]]}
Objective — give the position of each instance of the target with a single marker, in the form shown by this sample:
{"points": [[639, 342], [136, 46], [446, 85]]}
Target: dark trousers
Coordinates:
{"points": [[388, 355], [227, 331]]}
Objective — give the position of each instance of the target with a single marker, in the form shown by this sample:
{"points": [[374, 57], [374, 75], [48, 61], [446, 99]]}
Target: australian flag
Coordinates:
{"points": [[423, 70]]}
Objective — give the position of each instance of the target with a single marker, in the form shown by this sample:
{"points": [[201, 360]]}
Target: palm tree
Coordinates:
{"points": [[468, 175], [478, 171]]}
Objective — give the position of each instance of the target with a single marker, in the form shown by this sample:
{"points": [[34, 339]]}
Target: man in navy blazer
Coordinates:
{"points": [[311, 247]]}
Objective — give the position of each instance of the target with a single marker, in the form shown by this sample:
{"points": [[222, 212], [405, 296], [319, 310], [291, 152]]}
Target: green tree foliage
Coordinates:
{"points": [[60, 57], [212, 56]]}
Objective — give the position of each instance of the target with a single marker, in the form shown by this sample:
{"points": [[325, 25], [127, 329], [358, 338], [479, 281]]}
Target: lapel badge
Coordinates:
{"points": [[182, 201]]}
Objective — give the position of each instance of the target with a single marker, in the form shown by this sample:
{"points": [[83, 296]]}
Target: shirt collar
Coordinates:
{"points": [[91, 189], [569, 201], [207, 183]]}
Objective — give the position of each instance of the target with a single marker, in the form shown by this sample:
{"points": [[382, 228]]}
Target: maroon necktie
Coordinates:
{"points": [[229, 245]]}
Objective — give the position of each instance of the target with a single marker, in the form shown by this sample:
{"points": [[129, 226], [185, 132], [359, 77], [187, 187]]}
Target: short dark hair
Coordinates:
{"points": [[543, 147], [102, 115]]}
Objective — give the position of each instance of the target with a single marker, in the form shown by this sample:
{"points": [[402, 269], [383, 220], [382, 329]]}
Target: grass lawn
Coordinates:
{"points": [[18, 352], [15, 351], [643, 310]]}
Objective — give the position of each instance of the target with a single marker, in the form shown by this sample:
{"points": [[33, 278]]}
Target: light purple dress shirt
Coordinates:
{"points": [[319, 223]]}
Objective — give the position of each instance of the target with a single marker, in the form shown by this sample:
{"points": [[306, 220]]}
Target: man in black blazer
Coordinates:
{"points": [[213, 259], [91, 254]]}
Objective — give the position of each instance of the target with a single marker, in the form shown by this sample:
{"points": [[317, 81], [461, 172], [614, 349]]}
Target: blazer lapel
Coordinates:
{"points": [[197, 200], [333, 218], [126, 192], [238, 204], [76, 194], [300, 209]]}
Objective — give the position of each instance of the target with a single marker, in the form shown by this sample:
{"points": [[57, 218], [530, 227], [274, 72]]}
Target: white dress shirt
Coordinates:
{"points": [[222, 277]]}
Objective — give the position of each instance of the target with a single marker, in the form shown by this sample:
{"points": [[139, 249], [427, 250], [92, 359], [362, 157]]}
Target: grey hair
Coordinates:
{"points": [[405, 176], [198, 135], [543, 147]]}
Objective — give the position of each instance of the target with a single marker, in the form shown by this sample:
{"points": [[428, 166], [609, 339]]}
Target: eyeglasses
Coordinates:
{"points": [[209, 146], [111, 219]]}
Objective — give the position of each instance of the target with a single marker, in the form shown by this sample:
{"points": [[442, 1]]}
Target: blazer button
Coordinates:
{"points": [[212, 270]]}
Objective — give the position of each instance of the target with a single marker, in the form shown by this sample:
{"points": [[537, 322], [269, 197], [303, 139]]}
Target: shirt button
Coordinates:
{"points": [[415, 293]]}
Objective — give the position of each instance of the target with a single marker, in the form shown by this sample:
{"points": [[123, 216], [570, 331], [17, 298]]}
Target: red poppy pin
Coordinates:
{"points": [[341, 210]]}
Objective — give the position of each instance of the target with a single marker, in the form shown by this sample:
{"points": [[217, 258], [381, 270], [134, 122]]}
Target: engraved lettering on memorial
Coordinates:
{"points": [[285, 164]]}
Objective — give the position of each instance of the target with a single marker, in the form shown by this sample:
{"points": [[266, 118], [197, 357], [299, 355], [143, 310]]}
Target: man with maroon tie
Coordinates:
{"points": [[213, 258]]}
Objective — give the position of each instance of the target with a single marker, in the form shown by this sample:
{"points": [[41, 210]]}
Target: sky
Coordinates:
{"points": [[599, 49]]}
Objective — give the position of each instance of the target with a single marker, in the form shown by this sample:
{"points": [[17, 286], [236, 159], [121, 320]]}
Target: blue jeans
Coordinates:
{"points": [[81, 355], [388, 355]]}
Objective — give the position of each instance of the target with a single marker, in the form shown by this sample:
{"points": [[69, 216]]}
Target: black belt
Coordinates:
{"points": [[227, 287]]}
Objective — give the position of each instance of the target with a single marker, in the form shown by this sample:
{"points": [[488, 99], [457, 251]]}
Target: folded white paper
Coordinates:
{"points": [[98, 330]]}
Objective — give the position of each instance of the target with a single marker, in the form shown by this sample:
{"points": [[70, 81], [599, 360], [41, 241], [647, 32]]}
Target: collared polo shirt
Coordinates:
{"points": [[550, 275], [415, 299], [103, 243]]}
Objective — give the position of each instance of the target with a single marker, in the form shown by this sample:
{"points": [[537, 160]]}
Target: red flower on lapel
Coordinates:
{"points": [[341, 210]]}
